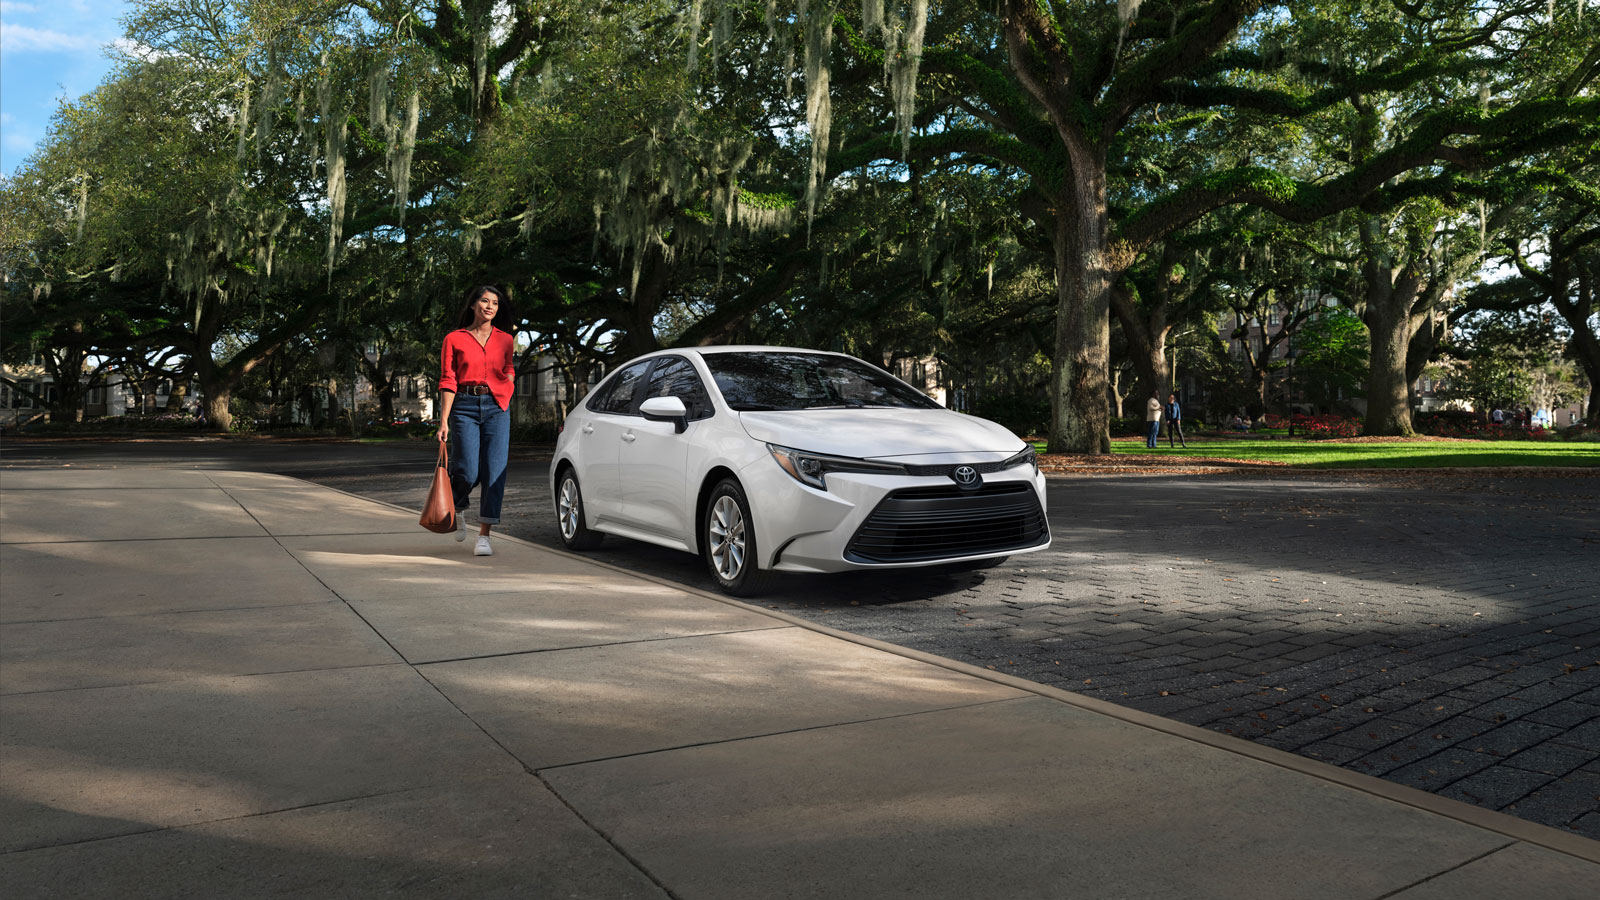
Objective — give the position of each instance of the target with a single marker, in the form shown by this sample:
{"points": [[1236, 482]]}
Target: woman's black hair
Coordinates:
{"points": [[502, 316]]}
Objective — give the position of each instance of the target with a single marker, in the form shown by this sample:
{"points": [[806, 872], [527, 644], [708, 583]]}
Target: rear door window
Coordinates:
{"points": [[618, 396]]}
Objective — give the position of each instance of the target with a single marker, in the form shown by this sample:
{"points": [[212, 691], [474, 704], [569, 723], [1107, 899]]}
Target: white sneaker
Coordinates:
{"points": [[461, 527], [482, 548]]}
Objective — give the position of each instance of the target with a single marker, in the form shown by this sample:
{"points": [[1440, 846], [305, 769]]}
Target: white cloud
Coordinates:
{"points": [[21, 38], [134, 50]]}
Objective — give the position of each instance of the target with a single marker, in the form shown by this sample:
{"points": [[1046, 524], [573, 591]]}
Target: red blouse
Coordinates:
{"points": [[465, 361]]}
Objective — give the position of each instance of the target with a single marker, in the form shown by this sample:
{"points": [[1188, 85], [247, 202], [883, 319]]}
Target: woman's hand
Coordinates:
{"points": [[444, 430]]}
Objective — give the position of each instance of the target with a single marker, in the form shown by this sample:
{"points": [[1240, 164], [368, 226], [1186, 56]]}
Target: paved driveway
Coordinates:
{"points": [[1441, 631]]}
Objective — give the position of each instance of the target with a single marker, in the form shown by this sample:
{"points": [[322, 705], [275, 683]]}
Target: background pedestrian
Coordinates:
{"points": [[1174, 414], [1152, 418]]}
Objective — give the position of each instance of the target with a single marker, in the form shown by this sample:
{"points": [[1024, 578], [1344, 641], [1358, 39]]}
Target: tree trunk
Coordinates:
{"points": [[218, 416], [1585, 343], [1588, 353], [386, 401], [69, 401], [1080, 413], [218, 390], [66, 373], [1117, 396], [178, 400], [1147, 339], [217, 384], [1420, 349], [1388, 398], [1391, 297]]}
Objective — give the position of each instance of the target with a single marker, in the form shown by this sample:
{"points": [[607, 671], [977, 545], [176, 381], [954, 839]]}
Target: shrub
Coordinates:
{"points": [[1457, 423], [407, 430], [1022, 413], [535, 431], [1126, 425], [1326, 426], [118, 424]]}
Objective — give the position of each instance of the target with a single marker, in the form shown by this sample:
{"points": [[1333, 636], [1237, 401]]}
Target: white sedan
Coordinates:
{"points": [[775, 459]]}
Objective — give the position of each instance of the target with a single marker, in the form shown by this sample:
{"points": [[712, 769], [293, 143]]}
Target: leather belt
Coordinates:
{"points": [[473, 390]]}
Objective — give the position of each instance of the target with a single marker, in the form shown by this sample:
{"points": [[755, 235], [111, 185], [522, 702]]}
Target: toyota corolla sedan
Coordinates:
{"points": [[774, 459]]}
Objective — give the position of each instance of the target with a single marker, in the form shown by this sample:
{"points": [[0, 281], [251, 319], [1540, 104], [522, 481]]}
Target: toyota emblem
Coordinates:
{"points": [[966, 476]]}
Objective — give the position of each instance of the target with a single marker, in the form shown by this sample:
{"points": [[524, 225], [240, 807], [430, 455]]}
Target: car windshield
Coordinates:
{"points": [[758, 380]]}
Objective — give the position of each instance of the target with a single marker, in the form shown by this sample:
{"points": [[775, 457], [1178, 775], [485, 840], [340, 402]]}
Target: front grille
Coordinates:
{"points": [[948, 469], [926, 523]]}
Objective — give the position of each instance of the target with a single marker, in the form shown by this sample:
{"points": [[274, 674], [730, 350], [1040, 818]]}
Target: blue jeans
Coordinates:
{"points": [[1150, 439], [480, 441]]}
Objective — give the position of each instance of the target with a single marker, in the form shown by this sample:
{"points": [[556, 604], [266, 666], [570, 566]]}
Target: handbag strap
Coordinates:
{"points": [[444, 458]]}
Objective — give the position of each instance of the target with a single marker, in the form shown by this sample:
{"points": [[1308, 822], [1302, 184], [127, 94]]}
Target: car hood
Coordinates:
{"points": [[879, 433]]}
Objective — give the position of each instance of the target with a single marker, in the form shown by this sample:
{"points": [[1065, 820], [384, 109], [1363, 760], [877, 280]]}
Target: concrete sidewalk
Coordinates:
{"points": [[226, 684]]}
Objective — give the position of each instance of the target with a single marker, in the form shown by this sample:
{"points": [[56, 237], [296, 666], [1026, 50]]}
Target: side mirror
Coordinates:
{"points": [[666, 409]]}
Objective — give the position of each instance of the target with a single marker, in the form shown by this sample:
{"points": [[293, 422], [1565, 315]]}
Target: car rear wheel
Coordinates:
{"points": [[728, 542], [569, 515]]}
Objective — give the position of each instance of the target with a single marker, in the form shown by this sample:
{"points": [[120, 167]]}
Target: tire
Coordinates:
{"points": [[728, 542], [569, 514]]}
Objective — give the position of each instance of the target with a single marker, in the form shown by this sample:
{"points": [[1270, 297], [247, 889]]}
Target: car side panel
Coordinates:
{"points": [[655, 478], [597, 455]]}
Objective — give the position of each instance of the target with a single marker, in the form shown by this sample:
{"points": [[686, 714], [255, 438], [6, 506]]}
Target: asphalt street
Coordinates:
{"points": [[1440, 631]]}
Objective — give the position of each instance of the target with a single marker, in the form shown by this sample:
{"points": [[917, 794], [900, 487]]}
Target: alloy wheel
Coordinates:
{"points": [[568, 508], [726, 531]]}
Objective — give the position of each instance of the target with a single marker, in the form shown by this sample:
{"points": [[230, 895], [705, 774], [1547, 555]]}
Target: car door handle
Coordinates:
{"points": [[629, 436], [588, 429]]}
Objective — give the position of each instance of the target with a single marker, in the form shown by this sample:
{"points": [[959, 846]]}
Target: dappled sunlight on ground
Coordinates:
{"points": [[78, 515], [88, 785]]}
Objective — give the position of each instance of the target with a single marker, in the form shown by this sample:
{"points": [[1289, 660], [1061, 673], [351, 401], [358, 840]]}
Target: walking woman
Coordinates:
{"points": [[474, 395]]}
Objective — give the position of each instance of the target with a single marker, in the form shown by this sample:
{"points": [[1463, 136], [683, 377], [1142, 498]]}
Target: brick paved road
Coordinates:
{"points": [[1438, 631]]}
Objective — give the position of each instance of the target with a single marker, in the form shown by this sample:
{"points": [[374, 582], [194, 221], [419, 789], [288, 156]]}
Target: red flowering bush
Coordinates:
{"points": [[1326, 426], [1459, 424]]}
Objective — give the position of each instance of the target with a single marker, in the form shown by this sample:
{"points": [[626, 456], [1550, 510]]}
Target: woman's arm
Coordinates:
{"points": [[447, 399], [447, 388]]}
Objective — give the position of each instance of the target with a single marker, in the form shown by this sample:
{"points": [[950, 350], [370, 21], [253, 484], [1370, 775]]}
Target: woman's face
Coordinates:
{"points": [[485, 307]]}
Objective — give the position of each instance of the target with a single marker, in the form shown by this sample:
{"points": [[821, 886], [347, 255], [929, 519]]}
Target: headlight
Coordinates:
{"points": [[1026, 457], [812, 468]]}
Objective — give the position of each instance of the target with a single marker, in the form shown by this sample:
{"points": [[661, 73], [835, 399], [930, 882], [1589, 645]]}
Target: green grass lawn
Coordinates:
{"points": [[1421, 453]]}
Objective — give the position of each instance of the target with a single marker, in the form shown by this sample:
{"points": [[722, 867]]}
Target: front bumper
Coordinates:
{"points": [[915, 525], [872, 521]]}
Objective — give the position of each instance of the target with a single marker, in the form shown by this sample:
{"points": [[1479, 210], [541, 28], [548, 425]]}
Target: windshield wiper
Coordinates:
{"points": [[750, 407]]}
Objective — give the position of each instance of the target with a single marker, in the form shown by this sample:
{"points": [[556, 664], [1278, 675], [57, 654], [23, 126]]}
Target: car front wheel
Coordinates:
{"points": [[728, 542], [569, 515]]}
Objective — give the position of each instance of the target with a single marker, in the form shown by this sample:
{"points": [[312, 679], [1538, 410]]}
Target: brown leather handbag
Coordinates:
{"points": [[439, 512]]}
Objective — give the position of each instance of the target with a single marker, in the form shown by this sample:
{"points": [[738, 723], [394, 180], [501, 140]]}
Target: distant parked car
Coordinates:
{"points": [[774, 459]]}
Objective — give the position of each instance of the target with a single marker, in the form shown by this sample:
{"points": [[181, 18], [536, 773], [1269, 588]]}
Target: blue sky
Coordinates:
{"points": [[48, 49]]}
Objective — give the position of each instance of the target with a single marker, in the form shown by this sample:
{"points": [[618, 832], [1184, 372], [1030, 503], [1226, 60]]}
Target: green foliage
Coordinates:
{"points": [[1332, 357], [254, 204], [1024, 414], [1511, 359]]}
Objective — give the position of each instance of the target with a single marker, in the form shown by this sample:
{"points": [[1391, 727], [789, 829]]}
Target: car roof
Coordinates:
{"points": [[759, 348], [725, 348]]}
